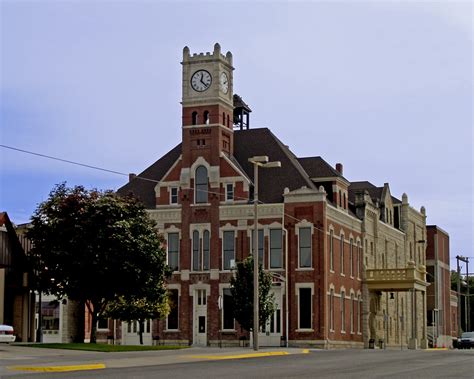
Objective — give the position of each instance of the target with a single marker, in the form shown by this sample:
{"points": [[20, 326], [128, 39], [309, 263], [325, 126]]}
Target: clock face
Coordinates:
{"points": [[201, 80], [224, 82]]}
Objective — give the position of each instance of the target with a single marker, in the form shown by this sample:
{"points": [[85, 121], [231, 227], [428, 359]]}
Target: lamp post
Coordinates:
{"points": [[257, 161]]}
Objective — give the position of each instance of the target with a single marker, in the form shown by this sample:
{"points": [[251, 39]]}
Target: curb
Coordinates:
{"points": [[96, 366]]}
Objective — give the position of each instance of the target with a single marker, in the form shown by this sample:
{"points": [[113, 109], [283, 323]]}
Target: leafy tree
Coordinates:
{"points": [[96, 247], [139, 309], [242, 294]]}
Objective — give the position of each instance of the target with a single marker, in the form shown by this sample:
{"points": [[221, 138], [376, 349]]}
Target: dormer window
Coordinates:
{"points": [[200, 185]]}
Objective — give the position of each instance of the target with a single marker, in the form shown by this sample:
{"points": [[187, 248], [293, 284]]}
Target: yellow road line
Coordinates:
{"points": [[58, 368], [240, 356], [305, 351], [437, 348]]}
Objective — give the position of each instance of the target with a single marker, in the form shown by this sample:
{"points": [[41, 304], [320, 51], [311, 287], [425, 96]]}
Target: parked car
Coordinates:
{"points": [[466, 341], [7, 334]]}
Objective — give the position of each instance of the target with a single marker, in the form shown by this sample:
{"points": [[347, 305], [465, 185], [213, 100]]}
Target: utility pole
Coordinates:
{"points": [[466, 321]]}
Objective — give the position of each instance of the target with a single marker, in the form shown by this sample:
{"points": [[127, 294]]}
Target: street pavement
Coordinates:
{"points": [[237, 363]]}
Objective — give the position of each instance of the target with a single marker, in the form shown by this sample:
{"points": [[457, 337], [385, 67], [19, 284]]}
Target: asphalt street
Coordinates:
{"points": [[242, 363]]}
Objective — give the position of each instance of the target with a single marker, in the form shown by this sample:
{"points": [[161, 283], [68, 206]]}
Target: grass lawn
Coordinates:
{"points": [[101, 347]]}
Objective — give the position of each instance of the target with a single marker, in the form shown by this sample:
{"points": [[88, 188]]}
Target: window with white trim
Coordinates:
{"points": [[331, 309], [174, 195], [331, 250], [304, 247], [173, 251], [343, 311], [352, 312], [201, 185], [261, 241], [276, 250], [351, 257], [341, 250], [227, 310], [172, 320], [200, 250], [103, 323], [305, 308], [196, 252], [206, 241], [229, 192], [359, 258], [359, 313], [228, 249]]}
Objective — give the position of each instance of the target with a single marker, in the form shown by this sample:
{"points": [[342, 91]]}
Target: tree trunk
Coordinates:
{"points": [[94, 328], [141, 328]]}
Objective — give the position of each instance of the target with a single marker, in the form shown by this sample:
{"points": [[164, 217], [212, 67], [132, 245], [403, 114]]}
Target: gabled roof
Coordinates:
{"points": [[144, 189], [317, 167], [247, 143], [272, 182]]}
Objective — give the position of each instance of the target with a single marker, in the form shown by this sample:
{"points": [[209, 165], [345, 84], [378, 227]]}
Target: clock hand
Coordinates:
{"points": [[202, 81]]}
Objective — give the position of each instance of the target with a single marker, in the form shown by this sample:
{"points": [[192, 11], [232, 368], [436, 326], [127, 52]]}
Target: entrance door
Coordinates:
{"points": [[270, 335], [200, 317], [130, 334]]}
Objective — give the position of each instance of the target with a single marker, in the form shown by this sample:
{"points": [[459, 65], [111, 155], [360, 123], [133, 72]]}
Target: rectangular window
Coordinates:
{"points": [[304, 245], [261, 241], [173, 316], [343, 311], [341, 248], [331, 309], [331, 250], [351, 257], [103, 323], [359, 314], [359, 258], [205, 250], [174, 195], [228, 310], [229, 192], [305, 308], [276, 239], [352, 312], [173, 251], [229, 249], [196, 252]]}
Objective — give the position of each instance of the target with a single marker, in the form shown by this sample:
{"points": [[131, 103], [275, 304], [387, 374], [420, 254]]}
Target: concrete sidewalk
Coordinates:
{"points": [[23, 358]]}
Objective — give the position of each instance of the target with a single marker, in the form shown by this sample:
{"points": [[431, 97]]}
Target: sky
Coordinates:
{"points": [[384, 87]]}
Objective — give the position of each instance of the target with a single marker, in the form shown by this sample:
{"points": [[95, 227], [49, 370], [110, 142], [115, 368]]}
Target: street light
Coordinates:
{"points": [[257, 161]]}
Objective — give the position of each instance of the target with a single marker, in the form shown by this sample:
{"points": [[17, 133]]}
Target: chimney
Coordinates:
{"points": [[131, 176], [339, 168]]}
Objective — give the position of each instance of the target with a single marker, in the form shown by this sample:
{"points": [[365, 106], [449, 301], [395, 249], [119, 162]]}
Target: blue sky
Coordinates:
{"points": [[383, 87]]}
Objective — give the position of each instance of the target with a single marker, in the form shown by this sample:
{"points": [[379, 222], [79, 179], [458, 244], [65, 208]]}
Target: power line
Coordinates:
{"points": [[120, 173]]}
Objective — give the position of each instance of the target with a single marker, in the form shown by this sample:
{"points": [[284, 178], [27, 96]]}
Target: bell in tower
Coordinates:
{"points": [[241, 113]]}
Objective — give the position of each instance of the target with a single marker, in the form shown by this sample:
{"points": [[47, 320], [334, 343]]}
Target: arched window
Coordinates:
{"points": [[200, 181], [205, 250], [196, 255], [345, 201], [223, 118], [340, 199], [206, 117], [195, 118], [228, 120]]}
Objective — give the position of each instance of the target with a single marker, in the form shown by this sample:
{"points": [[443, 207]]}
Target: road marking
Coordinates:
{"points": [[241, 356], [437, 348], [97, 366], [305, 351]]}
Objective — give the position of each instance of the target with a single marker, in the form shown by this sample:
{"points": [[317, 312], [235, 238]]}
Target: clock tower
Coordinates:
{"points": [[207, 106]]}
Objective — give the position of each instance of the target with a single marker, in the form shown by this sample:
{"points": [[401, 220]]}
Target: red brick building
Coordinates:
{"points": [[312, 232], [442, 308]]}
